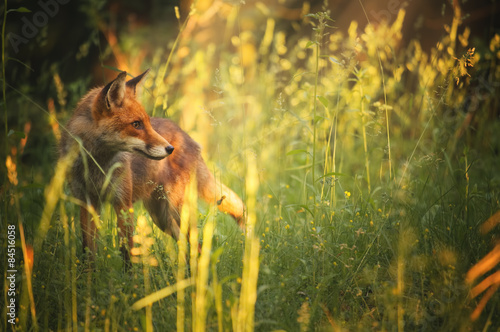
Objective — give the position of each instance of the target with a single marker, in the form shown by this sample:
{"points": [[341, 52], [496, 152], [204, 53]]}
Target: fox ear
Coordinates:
{"points": [[115, 91], [136, 80]]}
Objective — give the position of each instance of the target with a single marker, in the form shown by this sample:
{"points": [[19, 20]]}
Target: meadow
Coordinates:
{"points": [[369, 171]]}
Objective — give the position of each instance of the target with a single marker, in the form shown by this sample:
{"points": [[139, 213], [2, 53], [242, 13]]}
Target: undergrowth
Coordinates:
{"points": [[367, 168]]}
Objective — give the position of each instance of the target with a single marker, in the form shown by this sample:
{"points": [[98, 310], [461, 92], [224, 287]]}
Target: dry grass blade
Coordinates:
{"points": [[486, 264], [162, 293]]}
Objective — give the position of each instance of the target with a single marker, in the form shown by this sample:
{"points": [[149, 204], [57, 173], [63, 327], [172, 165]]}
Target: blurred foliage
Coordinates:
{"points": [[402, 139]]}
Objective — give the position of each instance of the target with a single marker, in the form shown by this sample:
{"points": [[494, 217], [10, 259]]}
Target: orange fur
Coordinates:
{"points": [[157, 159]]}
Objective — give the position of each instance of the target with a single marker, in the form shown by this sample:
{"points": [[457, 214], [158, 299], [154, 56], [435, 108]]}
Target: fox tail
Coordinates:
{"points": [[214, 191]]}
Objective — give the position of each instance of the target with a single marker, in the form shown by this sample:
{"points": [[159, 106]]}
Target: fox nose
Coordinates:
{"points": [[169, 149]]}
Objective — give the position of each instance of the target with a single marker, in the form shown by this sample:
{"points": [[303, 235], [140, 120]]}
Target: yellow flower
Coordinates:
{"points": [[347, 194]]}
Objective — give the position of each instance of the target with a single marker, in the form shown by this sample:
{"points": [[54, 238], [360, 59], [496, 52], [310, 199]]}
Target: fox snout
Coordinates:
{"points": [[157, 152]]}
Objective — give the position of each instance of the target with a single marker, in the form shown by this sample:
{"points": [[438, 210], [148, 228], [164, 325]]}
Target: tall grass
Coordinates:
{"points": [[365, 170]]}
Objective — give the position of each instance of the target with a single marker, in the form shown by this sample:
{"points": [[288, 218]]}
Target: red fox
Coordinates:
{"points": [[155, 157]]}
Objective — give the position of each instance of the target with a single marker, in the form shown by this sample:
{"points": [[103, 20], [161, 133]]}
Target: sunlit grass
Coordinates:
{"points": [[363, 171]]}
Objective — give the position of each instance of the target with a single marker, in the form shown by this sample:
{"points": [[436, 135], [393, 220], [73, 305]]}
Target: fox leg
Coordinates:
{"points": [[164, 216], [89, 230], [215, 192], [125, 230]]}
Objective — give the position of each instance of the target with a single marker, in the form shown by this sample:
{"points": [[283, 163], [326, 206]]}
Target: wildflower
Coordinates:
{"points": [[304, 316], [287, 226], [360, 232], [467, 60], [371, 222], [131, 210], [11, 168], [347, 194]]}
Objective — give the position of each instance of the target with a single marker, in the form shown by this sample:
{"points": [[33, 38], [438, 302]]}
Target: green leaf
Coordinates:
{"points": [[19, 10], [17, 60], [217, 254], [318, 118], [330, 174], [116, 69], [310, 43], [289, 153], [332, 59], [301, 206], [323, 100], [18, 134]]}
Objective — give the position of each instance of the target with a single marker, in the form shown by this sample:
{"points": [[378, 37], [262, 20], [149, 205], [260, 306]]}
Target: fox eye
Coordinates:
{"points": [[137, 124]]}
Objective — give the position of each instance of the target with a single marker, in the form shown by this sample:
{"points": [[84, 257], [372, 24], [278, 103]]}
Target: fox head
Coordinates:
{"points": [[124, 122]]}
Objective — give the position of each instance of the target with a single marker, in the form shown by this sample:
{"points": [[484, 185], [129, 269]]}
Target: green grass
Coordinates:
{"points": [[366, 168]]}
